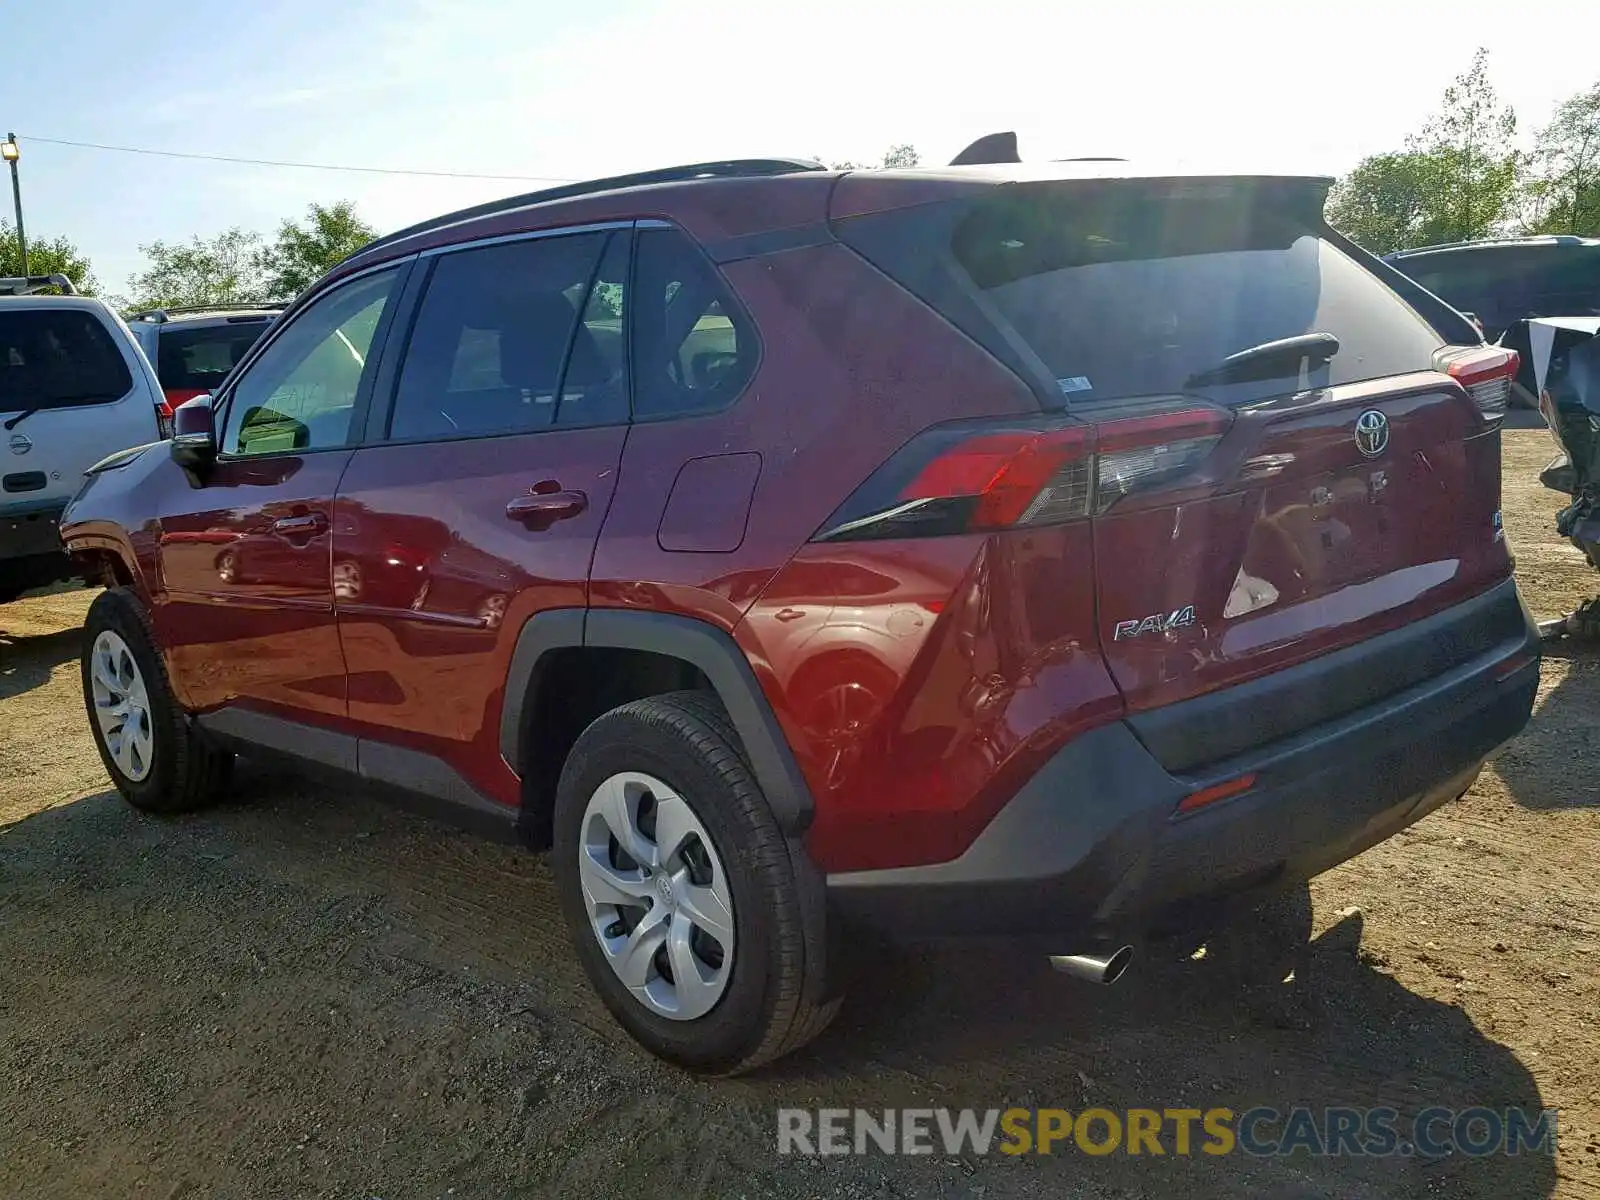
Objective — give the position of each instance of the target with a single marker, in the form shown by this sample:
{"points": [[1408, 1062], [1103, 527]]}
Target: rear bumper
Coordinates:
{"points": [[31, 530], [1091, 847]]}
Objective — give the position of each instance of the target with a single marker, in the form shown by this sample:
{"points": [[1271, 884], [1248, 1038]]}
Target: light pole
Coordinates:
{"points": [[11, 152]]}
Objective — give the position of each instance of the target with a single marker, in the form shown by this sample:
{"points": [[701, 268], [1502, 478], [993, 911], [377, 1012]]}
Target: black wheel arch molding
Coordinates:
{"points": [[703, 646]]}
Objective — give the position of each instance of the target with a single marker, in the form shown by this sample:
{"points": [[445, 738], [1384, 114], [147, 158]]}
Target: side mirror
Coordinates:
{"points": [[194, 434]]}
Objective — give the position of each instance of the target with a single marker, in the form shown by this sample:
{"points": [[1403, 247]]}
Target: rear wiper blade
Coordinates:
{"points": [[1307, 347], [20, 418]]}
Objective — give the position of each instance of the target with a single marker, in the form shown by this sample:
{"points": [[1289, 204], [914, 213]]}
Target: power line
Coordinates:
{"points": [[305, 166]]}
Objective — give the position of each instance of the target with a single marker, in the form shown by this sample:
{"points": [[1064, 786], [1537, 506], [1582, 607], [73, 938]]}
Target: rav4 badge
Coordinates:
{"points": [[1178, 618]]}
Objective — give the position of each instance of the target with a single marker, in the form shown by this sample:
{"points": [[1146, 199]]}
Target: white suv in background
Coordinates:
{"points": [[74, 388]]}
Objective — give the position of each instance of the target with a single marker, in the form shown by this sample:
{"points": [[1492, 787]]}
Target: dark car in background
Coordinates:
{"points": [[193, 349], [1504, 282]]}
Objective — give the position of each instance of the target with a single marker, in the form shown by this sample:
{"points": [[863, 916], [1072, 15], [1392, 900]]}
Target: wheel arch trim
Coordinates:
{"points": [[705, 647]]}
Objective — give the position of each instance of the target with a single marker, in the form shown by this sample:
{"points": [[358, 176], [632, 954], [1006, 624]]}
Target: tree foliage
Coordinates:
{"points": [[304, 253], [1563, 192], [52, 256], [904, 155], [226, 269], [1454, 181]]}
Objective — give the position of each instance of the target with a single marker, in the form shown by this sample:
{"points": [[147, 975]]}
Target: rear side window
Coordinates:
{"points": [[507, 339], [692, 350], [200, 359], [1123, 291], [58, 358]]}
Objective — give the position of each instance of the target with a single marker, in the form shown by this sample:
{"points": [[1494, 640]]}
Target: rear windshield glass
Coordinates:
{"points": [[200, 359], [56, 358], [1124, 291]]}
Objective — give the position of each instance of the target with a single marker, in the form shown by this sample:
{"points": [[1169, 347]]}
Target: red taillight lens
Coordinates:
{"points": [[971, 478], [1485, 372]]}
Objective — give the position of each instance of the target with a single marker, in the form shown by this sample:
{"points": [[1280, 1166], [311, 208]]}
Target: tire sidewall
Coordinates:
{"points": [[115, 612], [623, 741]]}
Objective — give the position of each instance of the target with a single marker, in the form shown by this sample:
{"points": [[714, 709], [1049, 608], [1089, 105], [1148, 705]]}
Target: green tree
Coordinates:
{"points": [[1471, 138], [1389, 201], [1454, 181], [55, 256], [225, 269], [1563, 193], [305, 253], [904, 155]]}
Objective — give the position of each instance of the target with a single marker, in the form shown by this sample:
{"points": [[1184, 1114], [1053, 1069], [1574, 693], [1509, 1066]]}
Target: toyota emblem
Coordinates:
{"points": [[20, 443], [1372, 433]]}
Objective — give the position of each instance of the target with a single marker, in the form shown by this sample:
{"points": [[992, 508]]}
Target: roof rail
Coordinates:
{"points": [[28, 285], [732, 168], [159, 315]]}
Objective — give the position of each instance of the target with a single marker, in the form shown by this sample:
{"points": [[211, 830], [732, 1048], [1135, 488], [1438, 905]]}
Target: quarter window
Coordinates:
{"points": [[692, 351]]}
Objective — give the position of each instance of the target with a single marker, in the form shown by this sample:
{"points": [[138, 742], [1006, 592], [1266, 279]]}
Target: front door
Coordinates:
{"points": [[483, 501], [246, 608]]}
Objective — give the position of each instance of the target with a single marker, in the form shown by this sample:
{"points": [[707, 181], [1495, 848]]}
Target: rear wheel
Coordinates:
{"points": [[681, 891], [158, 760]]}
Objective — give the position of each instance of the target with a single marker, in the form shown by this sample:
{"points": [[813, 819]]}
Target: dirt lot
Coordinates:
{"points": [[309, 993]]}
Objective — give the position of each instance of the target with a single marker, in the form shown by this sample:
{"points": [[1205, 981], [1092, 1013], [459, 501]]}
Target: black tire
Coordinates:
{"points": [[776, 998], [187, 771]]}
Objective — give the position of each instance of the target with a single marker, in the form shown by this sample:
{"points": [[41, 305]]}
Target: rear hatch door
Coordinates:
{"points": [[1252, 509]]}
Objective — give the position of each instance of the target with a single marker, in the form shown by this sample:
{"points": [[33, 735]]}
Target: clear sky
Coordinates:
{"points": [[574, 90]]}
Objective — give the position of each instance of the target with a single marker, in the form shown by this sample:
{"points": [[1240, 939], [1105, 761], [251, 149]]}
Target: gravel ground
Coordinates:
{"points": [[309, 993]]}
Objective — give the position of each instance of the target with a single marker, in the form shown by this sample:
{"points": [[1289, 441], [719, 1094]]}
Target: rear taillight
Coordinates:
{"points": [[969, 478], [1485, 372]]}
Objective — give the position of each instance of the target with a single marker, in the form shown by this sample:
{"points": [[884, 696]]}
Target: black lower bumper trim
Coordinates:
{"points": [[1091, 846]]}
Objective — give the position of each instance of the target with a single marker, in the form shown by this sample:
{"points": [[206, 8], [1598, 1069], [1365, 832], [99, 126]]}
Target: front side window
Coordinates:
{"points": [[519, 336], [692, 351], [58, 358], [300, 393]]}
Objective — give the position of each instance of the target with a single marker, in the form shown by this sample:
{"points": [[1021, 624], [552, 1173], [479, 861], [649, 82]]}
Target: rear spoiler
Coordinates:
{"points": [[29, 285]]}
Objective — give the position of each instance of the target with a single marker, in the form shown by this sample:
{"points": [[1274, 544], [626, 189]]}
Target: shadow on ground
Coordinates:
{"points": [[301, 960], [27, 661], [1565, 728]]}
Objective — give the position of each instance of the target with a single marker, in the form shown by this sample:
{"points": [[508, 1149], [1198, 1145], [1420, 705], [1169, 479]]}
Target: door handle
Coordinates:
{"points": [[303, 526], [540, 510]]}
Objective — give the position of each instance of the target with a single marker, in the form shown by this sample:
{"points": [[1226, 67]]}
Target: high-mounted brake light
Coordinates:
{"points": [[968, 477], [1485, 372]]}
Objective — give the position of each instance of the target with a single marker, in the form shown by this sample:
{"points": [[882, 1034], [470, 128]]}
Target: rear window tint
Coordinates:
{"points": [[200, 359], [1126, 292], [58, 358]]}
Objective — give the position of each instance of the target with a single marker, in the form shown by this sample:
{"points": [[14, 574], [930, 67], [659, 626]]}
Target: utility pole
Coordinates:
{"points": [[11, 152]]}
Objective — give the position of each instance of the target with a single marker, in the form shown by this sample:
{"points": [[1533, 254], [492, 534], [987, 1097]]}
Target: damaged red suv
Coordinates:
{"points": [[1067, 549]]}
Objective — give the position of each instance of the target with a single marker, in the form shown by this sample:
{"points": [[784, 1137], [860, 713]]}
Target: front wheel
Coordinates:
{"points": [[681, 892], [154, 755]]}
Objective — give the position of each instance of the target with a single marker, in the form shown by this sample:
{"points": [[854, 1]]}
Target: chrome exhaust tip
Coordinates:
{"points": [[1095, 968]]}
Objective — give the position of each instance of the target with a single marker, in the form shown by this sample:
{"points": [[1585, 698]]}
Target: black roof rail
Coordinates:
{"points": [[732, 168], [28, 285], [159, 315]]}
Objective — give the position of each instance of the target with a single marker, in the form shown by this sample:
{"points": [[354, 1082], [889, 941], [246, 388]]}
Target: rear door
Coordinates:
{"points": [[1259, 512], [73, 389], [480, 502]]}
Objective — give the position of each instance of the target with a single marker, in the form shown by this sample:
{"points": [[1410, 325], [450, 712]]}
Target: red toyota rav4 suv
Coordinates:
{"points": [[991, 549]]}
